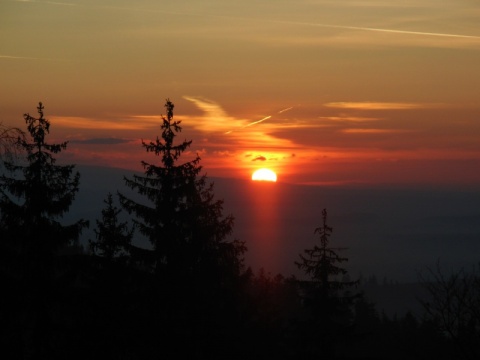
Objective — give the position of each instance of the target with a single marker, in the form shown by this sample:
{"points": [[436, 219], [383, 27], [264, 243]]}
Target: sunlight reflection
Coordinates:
{"points": [[265, 215]]}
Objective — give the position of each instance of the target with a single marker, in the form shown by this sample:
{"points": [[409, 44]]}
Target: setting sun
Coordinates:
{"points": [[264, 175]]}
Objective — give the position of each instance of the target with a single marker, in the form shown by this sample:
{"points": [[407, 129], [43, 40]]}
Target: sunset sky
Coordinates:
{"points": [[321, 91]]}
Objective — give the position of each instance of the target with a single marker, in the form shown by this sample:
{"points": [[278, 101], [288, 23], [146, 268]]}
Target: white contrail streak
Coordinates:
{"points": [[380, 30], [391, 31], [250, 124], [282, 111], [17, 57], [261, 120], [48, 2], [258, 121], [27, 58]]}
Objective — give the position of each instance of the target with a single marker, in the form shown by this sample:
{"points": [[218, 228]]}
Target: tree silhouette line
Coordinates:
{"points": [[189, 294]]}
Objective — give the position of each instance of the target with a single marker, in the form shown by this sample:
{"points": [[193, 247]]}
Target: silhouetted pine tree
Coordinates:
{"points": [[325, 295], [113, 297], [112, 237], [33, 200], [194, 264]]}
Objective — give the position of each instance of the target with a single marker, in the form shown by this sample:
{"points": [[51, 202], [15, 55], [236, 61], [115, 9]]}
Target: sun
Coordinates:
{"points": [[264, 175]]}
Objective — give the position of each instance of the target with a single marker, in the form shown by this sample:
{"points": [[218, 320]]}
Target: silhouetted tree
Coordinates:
{"points": [[190, 255], [453, 305], [9, 141], [33, 200], [269, 305], [326, 295], [113, 237]]}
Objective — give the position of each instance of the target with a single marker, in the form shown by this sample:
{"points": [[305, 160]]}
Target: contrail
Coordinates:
{"points": [[250, 124], [261, 120], [48, 2], [282, 111], [391, 31], [18, 57], [258, 121], [379, 30], [27, 58]]}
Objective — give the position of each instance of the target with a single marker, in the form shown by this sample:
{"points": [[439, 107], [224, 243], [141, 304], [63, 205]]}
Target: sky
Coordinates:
{"points": [[342, 92]]}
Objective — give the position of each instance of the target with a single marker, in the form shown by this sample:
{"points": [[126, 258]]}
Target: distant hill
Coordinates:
{"points": [[390, 233]]}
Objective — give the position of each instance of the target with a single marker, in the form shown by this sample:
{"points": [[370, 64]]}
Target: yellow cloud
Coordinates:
{"points": [[245, 136], [215, 119]]}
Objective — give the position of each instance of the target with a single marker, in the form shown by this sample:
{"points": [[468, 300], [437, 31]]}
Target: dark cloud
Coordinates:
{"points": [[261, 158], [102, 141]]}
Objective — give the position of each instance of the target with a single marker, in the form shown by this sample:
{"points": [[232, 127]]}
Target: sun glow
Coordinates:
{"points": [[264, 175]]}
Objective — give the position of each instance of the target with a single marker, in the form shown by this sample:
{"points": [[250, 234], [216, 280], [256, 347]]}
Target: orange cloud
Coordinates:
{"points": [[377, 105], [215, 119], [350, 118], [373, 131], [75, 122], [229, 130]]}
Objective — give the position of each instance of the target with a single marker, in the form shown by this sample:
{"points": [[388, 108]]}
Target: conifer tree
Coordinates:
{"points": [[321, 263], [193, 262], [33, 199], [113, 237], [181, 218], [36, 195], [326, 294]]}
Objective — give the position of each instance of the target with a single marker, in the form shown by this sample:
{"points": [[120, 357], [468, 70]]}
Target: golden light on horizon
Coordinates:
{"points": [[264, 175]]}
